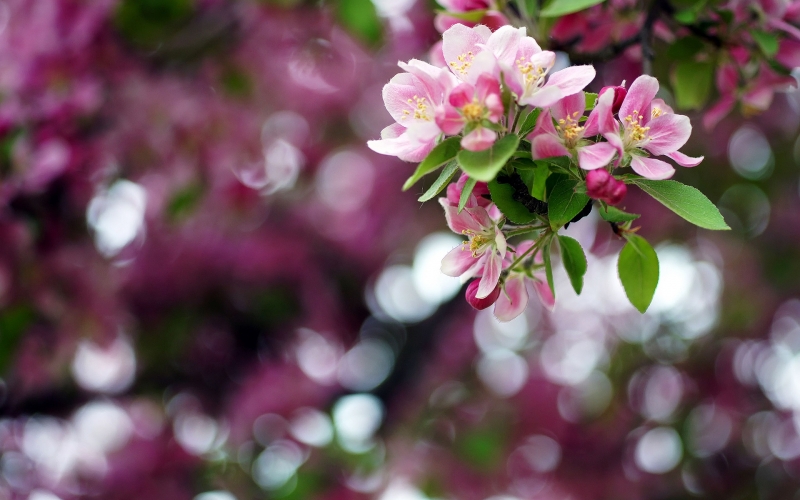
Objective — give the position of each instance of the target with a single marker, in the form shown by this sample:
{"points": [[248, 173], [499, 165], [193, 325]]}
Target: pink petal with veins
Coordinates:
{"points": [[596, 155], [652, 168], [668, 133], [513, 299], [642, 91], [684, 160]]}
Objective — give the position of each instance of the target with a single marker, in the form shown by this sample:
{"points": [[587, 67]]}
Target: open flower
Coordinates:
{"points": [[469, 108], [412, 98], [470, 52], [567, 135], [482, 254], [648, 126], [513, 299]]}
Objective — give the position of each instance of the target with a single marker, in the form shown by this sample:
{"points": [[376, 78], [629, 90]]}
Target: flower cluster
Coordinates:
{"points": [[532, 159]]}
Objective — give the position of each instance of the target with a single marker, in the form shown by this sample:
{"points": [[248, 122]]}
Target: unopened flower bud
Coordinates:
{"points": [[601, 185], [485, 302], [619, 96]]}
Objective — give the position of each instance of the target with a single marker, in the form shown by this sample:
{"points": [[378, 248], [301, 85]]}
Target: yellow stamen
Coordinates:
{"points": [[473, 111], [463, 64], [420, 108]]}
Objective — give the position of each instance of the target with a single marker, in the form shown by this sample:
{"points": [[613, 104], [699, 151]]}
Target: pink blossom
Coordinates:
{"points": [[488, 11], [470, 52], [601, 185], [514, 298], [567, 135], [412, 98], [481, 188], [467, 108], [648, 126], [482, 254]]}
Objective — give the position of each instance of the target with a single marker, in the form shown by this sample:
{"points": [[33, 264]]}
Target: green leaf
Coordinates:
{"points": [[473, 16], [691, 81], [685, 48], [468, 187], [548, 266], [612, 214], [638, 271], [503, 197], [539, 186], [441, 154], [563, 203], [685, 201], [360, 18], [591, 99], [767, 42], [529, 122], [440, 183], [484, 165], [574, 261], [527, 8], [688, 16], [555, 8]]}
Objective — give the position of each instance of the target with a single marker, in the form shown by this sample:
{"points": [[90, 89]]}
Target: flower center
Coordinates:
{"points": [[634, 130], [419, 107], [570, 129], [464, 62], [530, 73], [656, 112], [478, 242], [473, 111]]}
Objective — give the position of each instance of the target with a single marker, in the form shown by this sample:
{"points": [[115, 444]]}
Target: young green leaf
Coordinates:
{"points": [[503, 197], [468, 187], [360, 18], [767, 42], [574, 261], [539, 185], [591, 99], [638, 271], [548, 266], [685, 201], [441, 154], [484, 165], [612, 214], [692, 81], [555, 8], [563, 203], [529, 123], [442, 182]]}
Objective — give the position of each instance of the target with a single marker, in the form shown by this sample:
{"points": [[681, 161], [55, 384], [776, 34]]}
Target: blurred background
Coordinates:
{"points": [[210, 289]]}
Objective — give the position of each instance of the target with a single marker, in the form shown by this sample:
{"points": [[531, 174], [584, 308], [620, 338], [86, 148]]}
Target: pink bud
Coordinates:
{"points": [[601, 185], [619, 96], [480, 189], [485, 302]]}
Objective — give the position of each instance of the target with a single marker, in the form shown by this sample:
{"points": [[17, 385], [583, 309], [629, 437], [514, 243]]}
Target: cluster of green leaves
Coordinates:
{"points": [[552, 193]]}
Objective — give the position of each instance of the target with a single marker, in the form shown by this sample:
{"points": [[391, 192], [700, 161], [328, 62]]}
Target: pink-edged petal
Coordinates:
{"points": [[759, 98], [637, 101], [396, 141], [601, 119], [460, 40], [546, 295], [504, 43], [449, 120], [494, 104], [684, 160], [461, 95], [668, 133], [491, 274], [718, 111], [727, 78], [596, 155], [484, 63], [544, 125], [571, 80], [616, 141], [459, 222], [479, 139], [652, 168], [543, 97], [485, 86], [512, 300], [457, 261], [571, 106], [547, 146]]}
